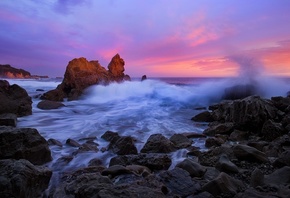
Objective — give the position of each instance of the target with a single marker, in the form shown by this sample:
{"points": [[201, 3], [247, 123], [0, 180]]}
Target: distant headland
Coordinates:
{"points": [[7, 71]]}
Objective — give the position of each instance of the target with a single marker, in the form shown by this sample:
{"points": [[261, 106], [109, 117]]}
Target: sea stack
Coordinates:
{"points": [[81, 73]]}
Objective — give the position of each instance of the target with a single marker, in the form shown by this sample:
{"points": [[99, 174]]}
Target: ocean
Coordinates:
{"points": [[137, 109]]}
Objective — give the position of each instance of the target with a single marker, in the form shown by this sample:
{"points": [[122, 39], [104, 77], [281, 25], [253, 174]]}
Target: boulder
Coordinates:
{"points": [[8, 119], [81, 74], [110, 135], [153, 161], [283, 159], [221, 128], [115, 170], [238, 135], [47, 104], [223, 184], [14, 99], [180, 141], [144, 77], [279, 177], [24, 143], [272, 130], [20, 178], [123, 145], [192, 167], [257, 178], [244, 152], [213, 141], [204, 116], [157, 143], [225, 165]]}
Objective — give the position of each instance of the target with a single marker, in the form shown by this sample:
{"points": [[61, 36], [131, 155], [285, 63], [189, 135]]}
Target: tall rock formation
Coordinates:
{"points": [[6, 71], [81, 74]]}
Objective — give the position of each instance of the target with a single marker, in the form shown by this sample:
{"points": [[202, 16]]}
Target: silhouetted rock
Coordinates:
{"points": [[47, 104], [81, 74], [144, 77], [14, 99], [239, 92], [20, 178], [23, 143], [6, 71], [204, 116]]}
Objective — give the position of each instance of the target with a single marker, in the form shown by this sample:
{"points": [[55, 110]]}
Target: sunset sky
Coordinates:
{"points": [[154, 37]]}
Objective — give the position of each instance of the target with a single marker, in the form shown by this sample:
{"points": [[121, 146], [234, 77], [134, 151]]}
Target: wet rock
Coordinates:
{"points": [[88, 146], [204, 116], [223, 184], [213, 141], [62, 162], [222, 128], [95, 162], [193, 135], [39, 89], [179, 182], [123, 146], [153, 161], [72, 143], [20, 178], [139, 170], [52, 141], [115, 170], [110, 135], [257, 178], [238, 135], [157, 143], [14, 99], [47, 105], [192, 167], [24, 143], [271, 130], [244, 152], [225, 165], [144, 77], [8, 119], [180, 141]]}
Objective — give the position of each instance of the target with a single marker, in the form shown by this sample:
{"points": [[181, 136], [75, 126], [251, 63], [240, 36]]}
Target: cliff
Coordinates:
{"points": [[6, 71]]}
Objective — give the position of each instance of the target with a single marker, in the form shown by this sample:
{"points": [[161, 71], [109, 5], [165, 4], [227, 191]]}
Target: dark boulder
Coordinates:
{"points": [[8, 119], [144, 77], [271, 130], [192, 167], [221, 128], [180, 141], [20, 178], [213, 142], [14, 99], [110, 135], [225, 165], [24, 143], [157, 143], [244, 152], [123, 146], [204, 116], [47, 104]]}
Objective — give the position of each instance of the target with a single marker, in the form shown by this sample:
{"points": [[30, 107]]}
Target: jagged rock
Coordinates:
{"points": [[223, 184], [239, 92], [204, 116], [283, 159], [8, 119], [81, 74], [180, 141], [157, 143], [244, 152], [110, 135], [221, 128], [272, 130], [153, 161], [179, 182], [281, 103], [20, 178], [257, 178], [24, 143], [192, 167], [123, 146], [6, 71], [213, 141], [225, 165], [47, 104], [14, 99]]}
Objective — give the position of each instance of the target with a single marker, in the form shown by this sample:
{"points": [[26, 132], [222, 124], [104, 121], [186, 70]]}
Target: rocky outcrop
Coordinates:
{"points": [[239, 92], [14, 99], [47, 104], [23, 143], [6, 71], [81, 74]]}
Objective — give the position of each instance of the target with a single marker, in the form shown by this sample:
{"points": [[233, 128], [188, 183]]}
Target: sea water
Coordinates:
{"points": [[135, 108]]}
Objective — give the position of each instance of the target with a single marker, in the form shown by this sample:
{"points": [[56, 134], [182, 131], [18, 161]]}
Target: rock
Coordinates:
{"points": [[204, 116], [180, 141], [257, 178], [179, 182], [24, 143], [61, 163], [88, 146], [139, 170], [8, 119], [213, 141], [223, 184], [281, 103], [279, 177], [81, 74], [222, 128], [47, 104], [271, 130], [20, 178], [238, 135], [95, 162], [246, 114], [244, 152], [115, 170], [110, 135], [144, 77], [252, 193], [193, 135], [283, 159], [6, 71], [225, 165], [192, 167], [123, 146], [14, 99], [52, 141], [39, 89], [72, 143], [151, 160], [239, 92], [201, 195], [157, 143]]}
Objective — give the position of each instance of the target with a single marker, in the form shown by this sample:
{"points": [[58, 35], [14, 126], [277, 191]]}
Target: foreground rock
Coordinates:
{"points": [[8, 119], [81, 74], [20, 178], [14, 99], [23, 143]]}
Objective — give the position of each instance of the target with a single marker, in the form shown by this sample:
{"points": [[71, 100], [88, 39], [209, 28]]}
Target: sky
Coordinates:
{"points": [[159, 38]]}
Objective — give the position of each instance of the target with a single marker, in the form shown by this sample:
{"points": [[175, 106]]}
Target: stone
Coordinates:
{"points": [[283, 159], [204, 116], [72, 143], [110, 135], [157, 143], [257, 178], [14, 99], [271, 130], [95, 162], [213, 142], [8, 119], [244, 152], [193, 135], [193, 168], [180, 141], [179, 182], [123, 146], [225, 165], [144, 77], [238, 135], [221, 128], [279, 177], [252, 193], [47, 104], [80, 74], [24, 143], [280, 102], [115, 170], [7, 71], [153, 161], [239, 92], [20, 178], [55, 142], [223, 184]]}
